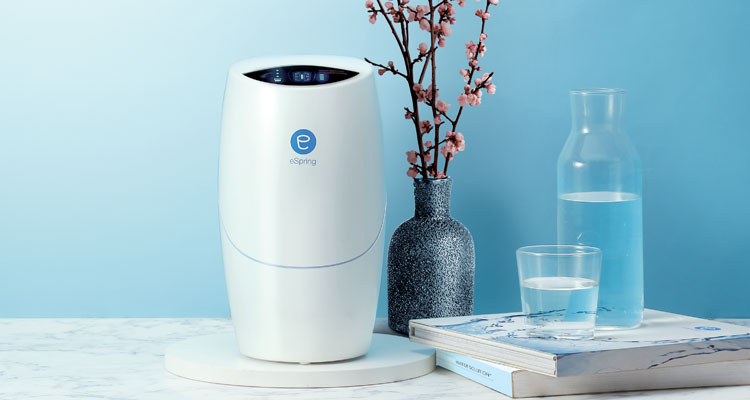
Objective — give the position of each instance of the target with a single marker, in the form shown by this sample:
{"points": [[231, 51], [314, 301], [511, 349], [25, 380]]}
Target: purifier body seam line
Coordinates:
{"points": [[223, 228]]}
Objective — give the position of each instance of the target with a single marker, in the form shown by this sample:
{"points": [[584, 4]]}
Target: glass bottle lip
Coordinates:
{"points": [[558, 250], [597, 91]]}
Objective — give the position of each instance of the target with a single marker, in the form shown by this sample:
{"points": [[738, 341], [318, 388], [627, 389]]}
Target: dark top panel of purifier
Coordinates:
{"points": [[301, 75]]}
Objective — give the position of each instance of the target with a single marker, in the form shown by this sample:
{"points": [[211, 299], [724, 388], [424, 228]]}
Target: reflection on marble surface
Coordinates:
{"points": [[123, 359]]}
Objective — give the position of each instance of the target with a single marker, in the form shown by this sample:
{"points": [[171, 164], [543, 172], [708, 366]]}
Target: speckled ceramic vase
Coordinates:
{"points": [[430, 260]]}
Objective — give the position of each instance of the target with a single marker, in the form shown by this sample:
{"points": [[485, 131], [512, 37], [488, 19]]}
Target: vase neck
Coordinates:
{"points": [[432, 198], [597, 111]]}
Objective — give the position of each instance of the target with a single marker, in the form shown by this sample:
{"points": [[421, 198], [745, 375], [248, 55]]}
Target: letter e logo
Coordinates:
{"points": [[303, 141]]}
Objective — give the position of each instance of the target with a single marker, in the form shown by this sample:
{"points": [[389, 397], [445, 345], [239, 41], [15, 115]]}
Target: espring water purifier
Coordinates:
{"points": [[302, 206]]}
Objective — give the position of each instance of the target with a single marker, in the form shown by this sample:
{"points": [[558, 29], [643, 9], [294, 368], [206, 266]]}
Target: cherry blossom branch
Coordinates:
{"points": [[476, 55], [435, 17], [474, 63]]}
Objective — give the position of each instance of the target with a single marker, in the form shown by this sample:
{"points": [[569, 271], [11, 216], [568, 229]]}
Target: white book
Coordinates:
{"points": [[517, 383], [662, 340]]}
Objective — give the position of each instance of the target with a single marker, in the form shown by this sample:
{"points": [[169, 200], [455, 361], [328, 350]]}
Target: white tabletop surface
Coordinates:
{"points": [[118, 358]]}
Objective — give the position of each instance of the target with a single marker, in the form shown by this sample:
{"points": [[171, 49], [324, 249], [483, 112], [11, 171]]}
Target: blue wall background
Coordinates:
{"points": [[110, 117]]}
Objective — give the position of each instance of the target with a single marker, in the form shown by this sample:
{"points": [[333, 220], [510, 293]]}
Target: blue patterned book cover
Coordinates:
{"points": [[663, 339]]}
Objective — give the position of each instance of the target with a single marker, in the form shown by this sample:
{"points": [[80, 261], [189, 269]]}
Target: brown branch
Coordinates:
{"points": [[426, 63], [392, 70], [410, 82], [390, 24], [433, 35]]}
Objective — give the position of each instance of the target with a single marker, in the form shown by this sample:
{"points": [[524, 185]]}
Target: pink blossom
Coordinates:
{"points": [[473, 63], [456, 140], [424, 25], [381, 71], [411, 157], [484, 79], [445, 29], [427, 144], [404, 2], [446, 8], [491, 88], [463, 99], [408, 115], [460, 142], [428, 93], [390, 64], [411, 172], [493, 2], [478, 13], [369, 4], [461, 3], [440, 175], [422, 48], [425, 126], [419, 92], [475, 100], [451, 147], [388, 5], [482, 37], [437, 120], [373, 17], [442, 106], [441, 42], [427, 157], [412, 15], [465, 74], [471, 48], [448, 150], [486, 16]]}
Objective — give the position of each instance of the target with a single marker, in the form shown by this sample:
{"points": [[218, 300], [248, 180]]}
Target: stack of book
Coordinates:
{"points": [[667, 351]]}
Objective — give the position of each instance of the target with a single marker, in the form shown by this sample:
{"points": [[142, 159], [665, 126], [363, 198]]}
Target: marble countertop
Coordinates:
{"points": [[118, 358]]}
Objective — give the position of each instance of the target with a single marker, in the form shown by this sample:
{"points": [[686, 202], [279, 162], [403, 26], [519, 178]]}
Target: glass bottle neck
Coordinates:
{"points": [[597, 111]]}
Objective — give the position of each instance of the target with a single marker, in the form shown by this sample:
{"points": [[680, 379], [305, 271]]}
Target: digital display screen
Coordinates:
{"points": [[301, 75]]}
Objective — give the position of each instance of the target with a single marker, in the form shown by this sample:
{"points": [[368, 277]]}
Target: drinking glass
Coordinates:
{"points": [[559, 289]]}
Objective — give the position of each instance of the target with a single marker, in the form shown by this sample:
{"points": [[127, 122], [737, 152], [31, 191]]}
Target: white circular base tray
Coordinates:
{"points": [[216, 359]]}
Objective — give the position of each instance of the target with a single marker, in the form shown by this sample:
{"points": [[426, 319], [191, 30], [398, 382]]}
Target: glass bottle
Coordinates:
{"points": [[599, 202]]}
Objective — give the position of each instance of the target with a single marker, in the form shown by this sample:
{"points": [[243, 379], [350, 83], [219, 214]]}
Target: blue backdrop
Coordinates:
{"points": [[110, 118]]}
